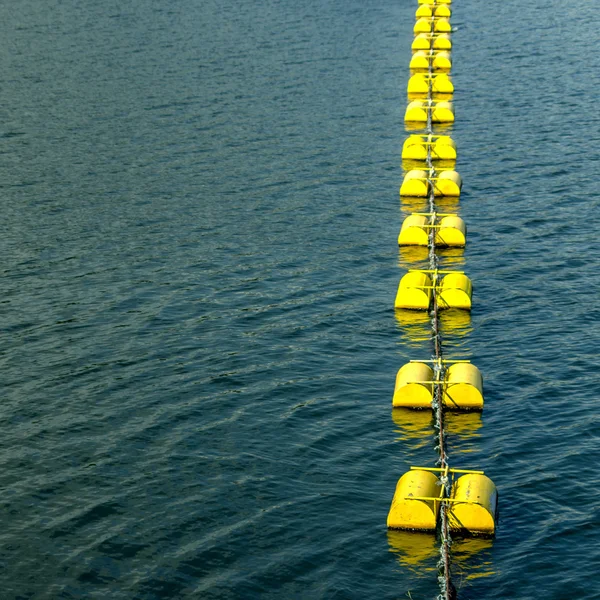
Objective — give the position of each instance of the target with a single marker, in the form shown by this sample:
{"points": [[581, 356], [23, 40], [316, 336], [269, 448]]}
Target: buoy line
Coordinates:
{"points": [[437, 498]]}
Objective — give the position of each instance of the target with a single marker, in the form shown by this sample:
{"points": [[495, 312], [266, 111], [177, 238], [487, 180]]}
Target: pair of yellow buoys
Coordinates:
{"points": [[450, 231], [433, 10], [440, 84], [472, 504], [432, 25], [414, 292], [442, 147], [439, 60], [432, 41], [462, 387], [418, 183], [434, 2], [441, 112]]}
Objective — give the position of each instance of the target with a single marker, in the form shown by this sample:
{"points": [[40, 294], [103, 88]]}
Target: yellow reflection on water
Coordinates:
{"points": [[413, 549], [454, 322], [408, 164], [413, 257], [415, 426], [451, 258], [415, 324], [412, 204], [472, 558], [463, 424]]}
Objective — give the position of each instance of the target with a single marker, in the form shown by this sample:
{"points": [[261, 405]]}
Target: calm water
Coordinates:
{"points": [[200, 214]]}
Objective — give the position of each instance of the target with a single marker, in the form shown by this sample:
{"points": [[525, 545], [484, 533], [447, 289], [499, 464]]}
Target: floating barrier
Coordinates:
{"points": [[451, 230], [461, 384], [439, 60], [408, 510], [474, 505], [418, 182], [432, 41], [414, 291], [440, 147], [433, 10], [434, 2], [432, 24], [454, 291], [419, 111], [422, 83]]}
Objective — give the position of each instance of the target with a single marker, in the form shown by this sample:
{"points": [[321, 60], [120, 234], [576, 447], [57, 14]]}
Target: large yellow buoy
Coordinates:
{"points": [[411, 389], [474, 507], [451, 233], [442, 112], [436, 41], [448, 183], [414, 291], [442, 147], [415, 184], [431, 10], [455, 291], [406, 513], [414, 231], [463, 389], [439, 60], [440, 84]]}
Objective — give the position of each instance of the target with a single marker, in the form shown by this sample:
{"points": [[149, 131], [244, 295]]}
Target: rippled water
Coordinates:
{"points": [[199, 266]]}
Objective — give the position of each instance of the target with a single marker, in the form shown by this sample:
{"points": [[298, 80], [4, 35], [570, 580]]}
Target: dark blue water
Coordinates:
{"points": [[200, 214]]}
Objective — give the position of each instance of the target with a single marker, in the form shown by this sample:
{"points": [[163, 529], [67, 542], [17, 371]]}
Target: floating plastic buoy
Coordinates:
{"points": [[455, 292], [432, 24], [417, 183], [406, 513], [411, 389], [433, 10], [442, 147], [434, 2], [439, 60], [435, 41], [450, 232], [440, 84], [441, 112], [463, 389], [414, 291], [447, 183], [474, 505]]}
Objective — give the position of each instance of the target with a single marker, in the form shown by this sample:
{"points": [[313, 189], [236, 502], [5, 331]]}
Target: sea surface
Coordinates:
{"points": [[198, 350]]}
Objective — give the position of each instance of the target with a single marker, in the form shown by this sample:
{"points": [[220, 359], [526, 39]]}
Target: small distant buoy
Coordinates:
{"points": [[474, 505], [433, 10], [417, 183], [442, 147], [440, 84], [455, 291], [441, 112], [427, 41], [463, 389], [414, 291], [440, 61], [411, 389], [434, 1], [407, 513]]}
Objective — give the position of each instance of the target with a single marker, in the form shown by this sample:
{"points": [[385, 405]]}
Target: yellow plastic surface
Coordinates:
{"points": [[414, 231], [442, 25], [456, 291], [452, 232], [415, 183], [423, 26], [464, 387], [414, 514], [476, 511], [440, 84], [448, 183], [427, 41], [442, 147], [442, 60], [413, 291], [442, 42], [431, 10], [443, 112], [416, 111], [407, 393], [434, 2]]}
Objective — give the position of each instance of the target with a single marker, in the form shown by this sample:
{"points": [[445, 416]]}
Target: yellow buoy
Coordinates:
{"points": [[442, 60], [442, 25], [443, 112], [434, 2], [448, 183], [475, 511], [464, 387], [406, 513], [411, 389], [414, 231], [439, 60], [415, 184], [452, 232], [427, 41], [440, 84], [431, 10], [442, 147], [414, 291], [416, 111], [423, 26], [455, 292]]}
